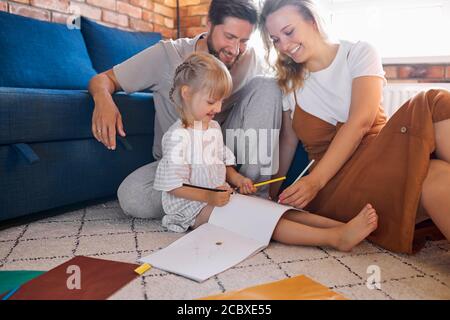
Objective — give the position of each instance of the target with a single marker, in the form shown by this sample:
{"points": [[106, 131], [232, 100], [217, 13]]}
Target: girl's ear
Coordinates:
{"points": [[185, 92]]}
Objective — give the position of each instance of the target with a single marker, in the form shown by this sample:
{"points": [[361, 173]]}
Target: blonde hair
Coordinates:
{"points": [[200, 71], [290, 75]]}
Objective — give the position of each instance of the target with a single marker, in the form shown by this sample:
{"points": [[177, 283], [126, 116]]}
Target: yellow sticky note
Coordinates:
{"points": [[142, 269]]}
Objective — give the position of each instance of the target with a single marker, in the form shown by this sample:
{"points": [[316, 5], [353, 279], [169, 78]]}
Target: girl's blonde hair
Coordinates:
{"points": [[290, 75], [200, 71]]}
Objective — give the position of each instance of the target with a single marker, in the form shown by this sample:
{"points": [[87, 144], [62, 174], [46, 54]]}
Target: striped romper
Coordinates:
{"points": [[193, 156]]}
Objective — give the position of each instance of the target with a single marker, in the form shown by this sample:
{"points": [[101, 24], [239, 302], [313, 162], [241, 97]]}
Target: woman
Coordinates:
{"points": [[332, 104]]}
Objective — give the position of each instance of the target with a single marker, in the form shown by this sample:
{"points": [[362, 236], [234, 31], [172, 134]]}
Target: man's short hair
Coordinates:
{"points": [[241, 9]]}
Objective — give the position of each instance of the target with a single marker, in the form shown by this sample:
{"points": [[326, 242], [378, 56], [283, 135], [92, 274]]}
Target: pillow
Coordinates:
{"points": [[299, 163], [108, 46], [42, 55]]}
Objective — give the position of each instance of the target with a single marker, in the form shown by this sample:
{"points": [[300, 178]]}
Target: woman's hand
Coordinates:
{"points": [[245, 185], [300, 193]]}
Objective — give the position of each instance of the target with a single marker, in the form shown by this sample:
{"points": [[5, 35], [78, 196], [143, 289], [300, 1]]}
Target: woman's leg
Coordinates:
{"points": [[312, 220], [436, 195], [203, 216], [343, 237], [442, 138]]}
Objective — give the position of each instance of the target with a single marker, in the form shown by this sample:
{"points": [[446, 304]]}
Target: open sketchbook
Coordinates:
{"points": [[233, 233]]}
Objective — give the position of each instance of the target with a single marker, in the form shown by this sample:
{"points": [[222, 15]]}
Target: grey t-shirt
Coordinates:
{"points": [[154, 68]]}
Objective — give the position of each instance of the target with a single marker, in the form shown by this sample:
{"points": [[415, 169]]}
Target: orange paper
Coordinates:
{"points": [[296, 288]]}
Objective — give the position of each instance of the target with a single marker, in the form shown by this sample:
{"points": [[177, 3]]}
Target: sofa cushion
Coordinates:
{"points": [[108, 46], [36, 115], [38, 54]]}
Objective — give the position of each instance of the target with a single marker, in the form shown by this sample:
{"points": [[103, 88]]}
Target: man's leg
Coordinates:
{"points": [[252, 128], [136, 195]]}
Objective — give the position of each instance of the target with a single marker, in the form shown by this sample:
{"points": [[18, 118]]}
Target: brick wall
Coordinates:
{"points": [[418, 72], [139, 15], [160, 16], [193, 14]]}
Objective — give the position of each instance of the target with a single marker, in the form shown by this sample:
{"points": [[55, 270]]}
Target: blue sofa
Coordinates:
{"points": [[48, 156]]}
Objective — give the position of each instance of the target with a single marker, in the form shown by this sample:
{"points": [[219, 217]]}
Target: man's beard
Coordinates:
{"points": [[216, 54]]}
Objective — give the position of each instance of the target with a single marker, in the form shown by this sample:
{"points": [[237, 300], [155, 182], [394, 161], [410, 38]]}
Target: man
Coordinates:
{"points": [[255, 103]]}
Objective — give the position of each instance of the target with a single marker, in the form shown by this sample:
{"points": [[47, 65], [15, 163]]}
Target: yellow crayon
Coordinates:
{"points": [[259, 184], [142, 269]]}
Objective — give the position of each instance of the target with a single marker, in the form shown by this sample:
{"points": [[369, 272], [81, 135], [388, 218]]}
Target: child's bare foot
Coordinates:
{"points": [[357, 229]]}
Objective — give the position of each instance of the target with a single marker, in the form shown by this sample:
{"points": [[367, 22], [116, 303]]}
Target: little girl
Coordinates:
{"points": [[194, 155]]}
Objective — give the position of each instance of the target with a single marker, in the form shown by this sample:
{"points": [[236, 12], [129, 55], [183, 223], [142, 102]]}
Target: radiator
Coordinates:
{"points": [[395, 94]]}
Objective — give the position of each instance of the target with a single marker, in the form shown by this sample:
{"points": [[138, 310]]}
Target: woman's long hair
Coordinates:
{"points": [[290, 75]]}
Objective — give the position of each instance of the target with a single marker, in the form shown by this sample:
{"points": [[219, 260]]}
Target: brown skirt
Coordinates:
{"points": [[387, 170]]}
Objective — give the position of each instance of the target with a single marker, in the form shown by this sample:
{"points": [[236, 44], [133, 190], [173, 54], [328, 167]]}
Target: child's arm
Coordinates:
{"points": [[217, 199], [244, 184]]}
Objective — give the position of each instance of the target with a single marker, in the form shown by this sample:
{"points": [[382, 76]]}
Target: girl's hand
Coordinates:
{"points": [[245, 186], [300, 193], [219, 199]]}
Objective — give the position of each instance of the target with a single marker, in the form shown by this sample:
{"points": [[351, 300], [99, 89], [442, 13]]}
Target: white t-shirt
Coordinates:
{"points": [[327, 93], [154, 68]]}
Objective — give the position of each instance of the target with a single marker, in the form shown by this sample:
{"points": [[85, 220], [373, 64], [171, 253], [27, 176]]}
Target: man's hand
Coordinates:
{"points": [[274, 189], [106, 119]]}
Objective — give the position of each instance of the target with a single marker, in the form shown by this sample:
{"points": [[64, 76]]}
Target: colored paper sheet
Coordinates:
{"points": [[296, 288], [81, 278], [10, 280]]}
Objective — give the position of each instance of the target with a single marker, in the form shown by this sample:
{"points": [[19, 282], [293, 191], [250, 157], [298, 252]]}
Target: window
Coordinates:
{"points": [[413, 30]]}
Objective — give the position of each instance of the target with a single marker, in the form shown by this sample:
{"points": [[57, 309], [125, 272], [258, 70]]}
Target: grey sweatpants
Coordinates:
{"points": [[256, 113]]}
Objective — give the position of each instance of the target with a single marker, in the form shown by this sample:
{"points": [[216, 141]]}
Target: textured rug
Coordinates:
{"points": [[103, 231]]}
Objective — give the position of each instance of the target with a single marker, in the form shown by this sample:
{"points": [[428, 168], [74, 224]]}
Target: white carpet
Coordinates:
{"points": [[103, 231]]}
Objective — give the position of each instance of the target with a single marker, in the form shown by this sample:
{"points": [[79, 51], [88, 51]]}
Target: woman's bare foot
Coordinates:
{"points": [[357, 229]]}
